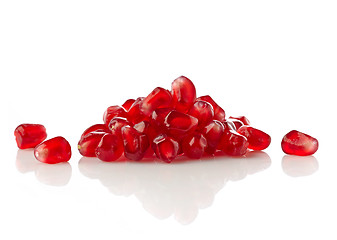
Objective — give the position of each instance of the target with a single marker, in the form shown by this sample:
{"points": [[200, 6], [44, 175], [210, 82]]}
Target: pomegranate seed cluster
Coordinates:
{"points": [[165, 124], [168, 124]]}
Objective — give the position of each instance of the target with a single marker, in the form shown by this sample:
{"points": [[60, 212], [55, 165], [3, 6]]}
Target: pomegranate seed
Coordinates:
{"points": [[219, 113], [158, 98], [158, 116], [213, 133], [135, 143], [113, 111], [88, 143], [203, 111], [194, 145], [183, 94], [128, 103], [116, 125], [236, 122], [147, 128], [243, 119], [257, 139], [29, 135], [134, 113], [233, 144], [228, 125], [96, 128], [180, 124], [110, 148], [54, 150], [298, 143], [165, 148]]}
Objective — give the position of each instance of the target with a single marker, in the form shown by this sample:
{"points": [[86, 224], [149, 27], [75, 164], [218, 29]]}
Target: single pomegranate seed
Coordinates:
{"points": [[203, 111], [54, 150], [158, 98], [128, 103], [135, 143], [257, 139], [147, 128], [180, 124], [213, 133], [298, 143], [233, 144], [110, 148], [158, 116], [88, 143], [236, 122], [96, 128], [29, 135], [116, 125], [194, 145], [219, 113], [113, 111], [243, 119], [183, 94], [134, 113], [165, 148]]}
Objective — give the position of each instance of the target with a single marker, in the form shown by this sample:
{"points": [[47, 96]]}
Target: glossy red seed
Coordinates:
{"points": [[96, 128], [135, 143], [110, 148], [233, 144], [147, 128], [158, 98], [165, 148], [29, 135], [243, 119], [113, 111], [88, 143], [158, 116], [183, 94], [194, 145], [116, 125], [237, 123], [54, 150], [213, 133], [134, 114], [203, 111], [257, 139], [219, 113], [128, 103], [298, 143], [180, 124]]}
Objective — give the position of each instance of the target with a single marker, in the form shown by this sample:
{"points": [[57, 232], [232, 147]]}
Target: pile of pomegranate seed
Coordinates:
{"points": [[165, 123], [168, 124]]}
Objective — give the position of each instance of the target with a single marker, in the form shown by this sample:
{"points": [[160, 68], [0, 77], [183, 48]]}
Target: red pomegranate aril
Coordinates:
{"points": [[236, 122], [135, 143], [96, 128], [194, 145], [158, 98], [219, 113], [257, 139], [110, 148], [113, 111], [116, 125], [233, 144], [54, 150], [158, 116], [298, 143], [165, 148], [179, 124], [88, 143], [147, 128], [243, 119], [213, 133], [128, 103], [183, 94], [134, 114], [203, 111], [29, 135]]}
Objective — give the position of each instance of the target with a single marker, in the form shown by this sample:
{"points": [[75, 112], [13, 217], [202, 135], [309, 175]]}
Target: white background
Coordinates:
{"points": [[62, 63]]}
